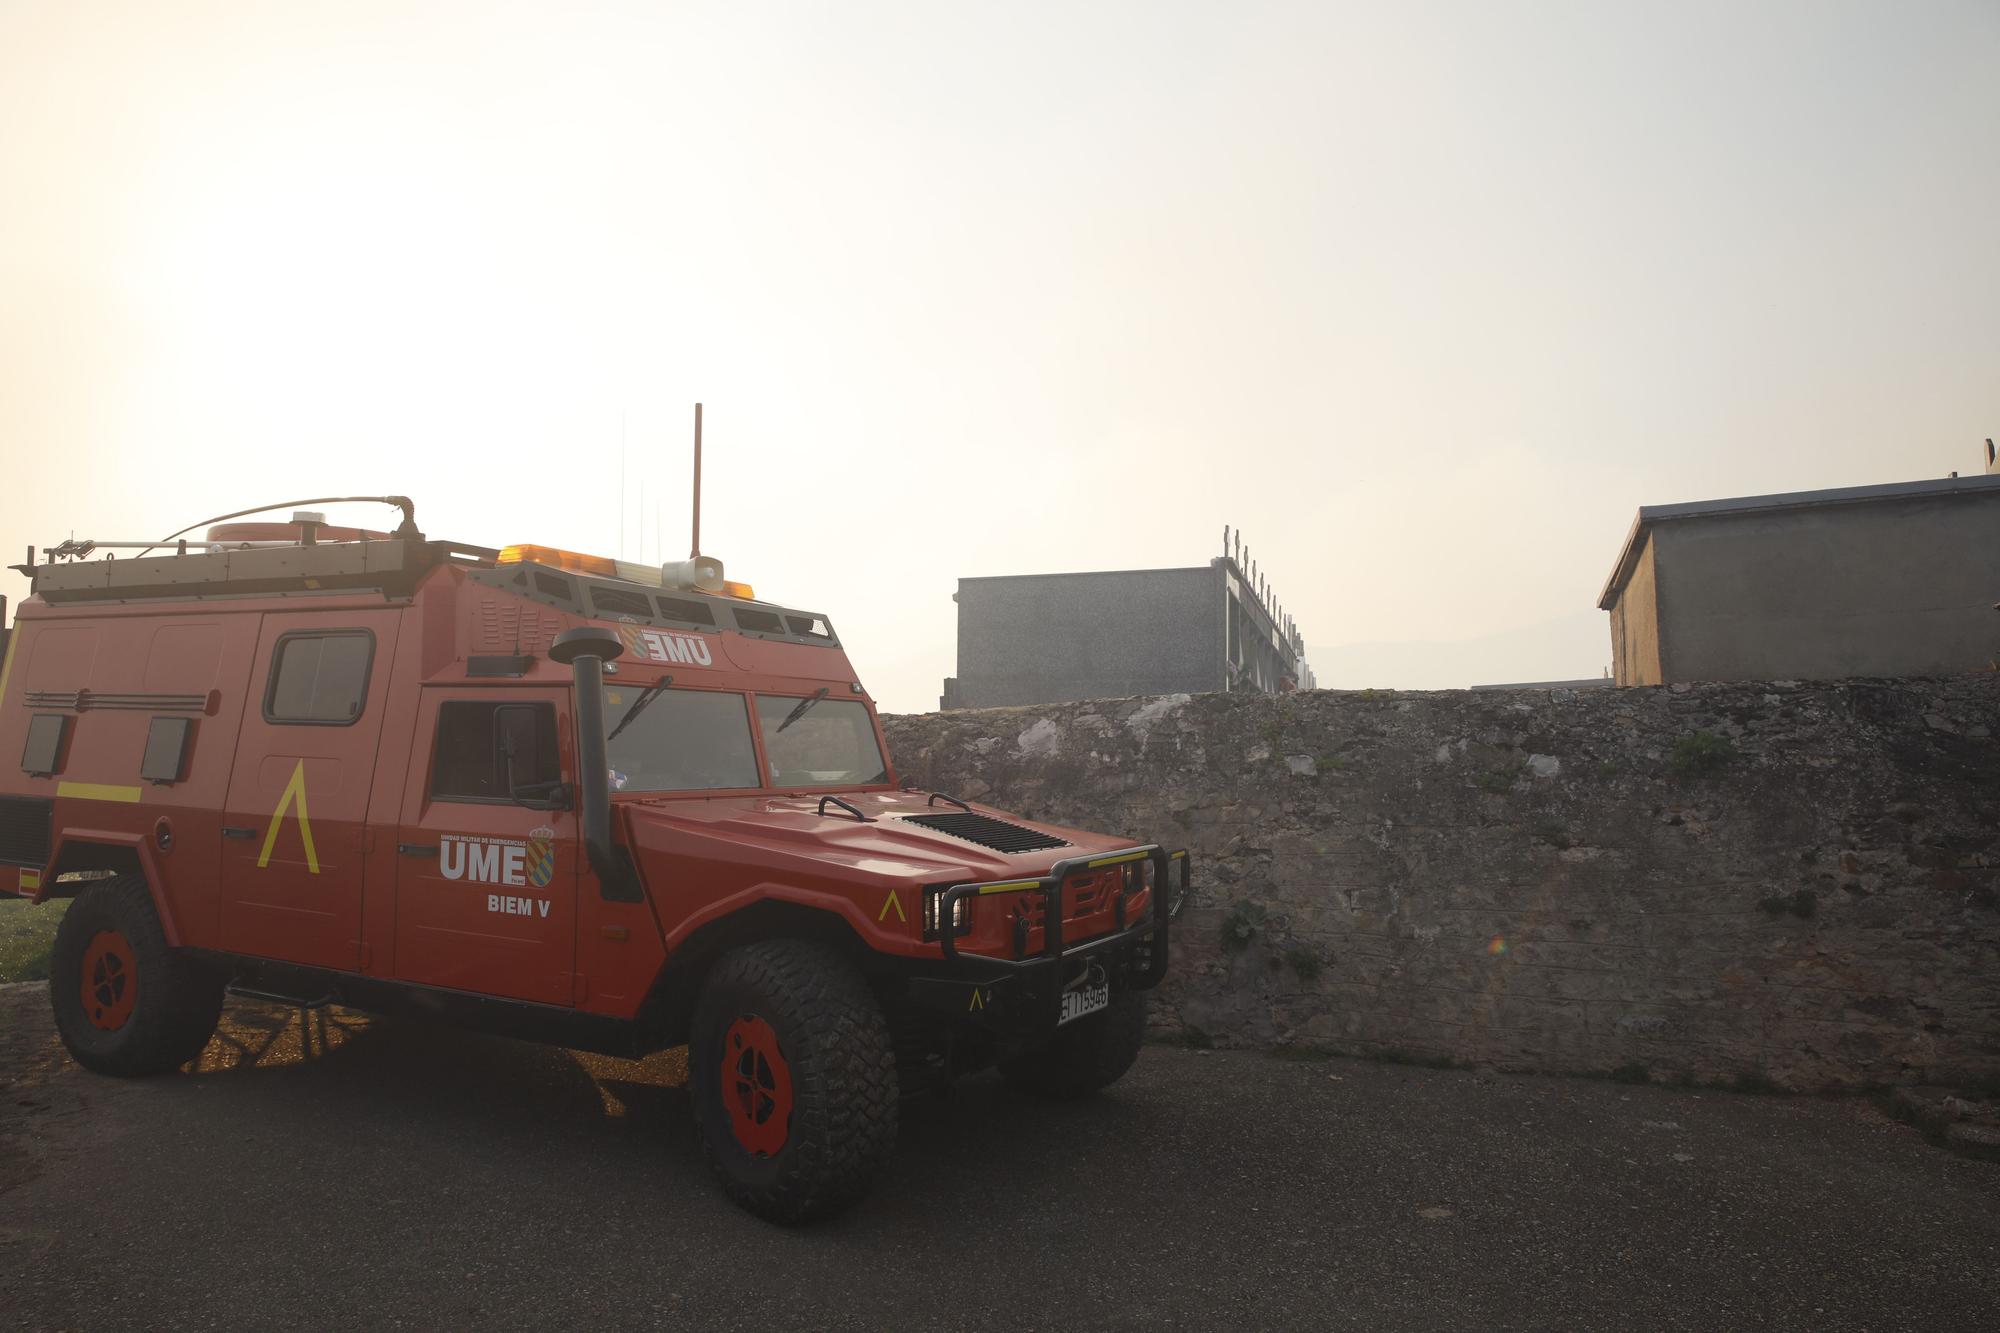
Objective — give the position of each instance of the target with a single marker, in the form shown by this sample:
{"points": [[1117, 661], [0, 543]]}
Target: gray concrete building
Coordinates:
{"points": [[1896, 580], [1055, 638]]}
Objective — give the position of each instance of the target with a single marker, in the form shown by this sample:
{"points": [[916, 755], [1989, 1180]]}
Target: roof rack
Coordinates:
{"points": [[391, 564]]}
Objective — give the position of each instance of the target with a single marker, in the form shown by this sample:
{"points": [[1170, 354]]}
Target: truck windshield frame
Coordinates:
{"points": [[686, 740]]}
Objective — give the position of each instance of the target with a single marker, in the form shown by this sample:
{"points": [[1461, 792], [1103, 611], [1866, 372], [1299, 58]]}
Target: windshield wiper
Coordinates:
{"points": [[646, 696], [800, 711]]}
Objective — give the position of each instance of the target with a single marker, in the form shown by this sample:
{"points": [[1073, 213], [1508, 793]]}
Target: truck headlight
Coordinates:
{"points": [[961, 914]]}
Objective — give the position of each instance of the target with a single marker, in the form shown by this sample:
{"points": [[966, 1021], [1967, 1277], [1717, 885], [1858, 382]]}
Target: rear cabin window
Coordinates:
{"points": [[682, 608], [759, 622], [609, 602], [42, 756], [813, 627], [319, 679], [478, 740], [165, 757]]}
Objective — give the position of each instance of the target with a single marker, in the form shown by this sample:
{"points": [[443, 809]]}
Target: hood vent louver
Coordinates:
{"points": [[988, 832]]}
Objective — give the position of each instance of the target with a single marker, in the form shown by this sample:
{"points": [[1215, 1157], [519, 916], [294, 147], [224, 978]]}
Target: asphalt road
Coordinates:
{"points": [[398, 1175]]}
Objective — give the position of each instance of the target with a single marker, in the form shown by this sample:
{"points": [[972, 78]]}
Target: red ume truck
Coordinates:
{"points": [[551, 795]]}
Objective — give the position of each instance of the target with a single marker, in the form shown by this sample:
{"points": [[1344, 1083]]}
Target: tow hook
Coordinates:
{"points": [[1090, 973]]}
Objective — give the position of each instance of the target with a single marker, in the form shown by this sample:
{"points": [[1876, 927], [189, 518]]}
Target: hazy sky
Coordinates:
{"points": [[1426, 299]]}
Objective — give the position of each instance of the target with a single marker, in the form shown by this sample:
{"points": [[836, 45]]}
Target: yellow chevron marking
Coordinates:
{"points": [[892, 901], [295, 793]]}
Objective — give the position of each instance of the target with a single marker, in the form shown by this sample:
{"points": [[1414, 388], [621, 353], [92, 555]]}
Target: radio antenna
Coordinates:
{"points": [[694, 551]]}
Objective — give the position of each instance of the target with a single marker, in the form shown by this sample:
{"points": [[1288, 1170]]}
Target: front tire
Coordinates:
{"points": [[125, 1003], [793, 1079], [1086, 1055]]}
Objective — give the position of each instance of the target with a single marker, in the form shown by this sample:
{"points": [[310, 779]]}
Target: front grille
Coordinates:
{"points": [[988, 832], [1084, 893], [24, 830]]}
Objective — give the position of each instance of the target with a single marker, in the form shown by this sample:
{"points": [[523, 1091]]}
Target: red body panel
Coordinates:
{"points": [[449, 931], [292, 889]]}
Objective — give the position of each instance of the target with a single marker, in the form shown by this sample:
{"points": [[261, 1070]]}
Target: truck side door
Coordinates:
{"points": [[489, 846], [295, 818]]}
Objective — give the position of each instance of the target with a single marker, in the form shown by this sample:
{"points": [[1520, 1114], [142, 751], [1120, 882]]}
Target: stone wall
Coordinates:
{"points": [[1790, 883]]}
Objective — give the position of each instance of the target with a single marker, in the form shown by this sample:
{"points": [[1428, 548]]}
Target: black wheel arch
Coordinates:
{"points": [[670, 1006], [82, 862]]}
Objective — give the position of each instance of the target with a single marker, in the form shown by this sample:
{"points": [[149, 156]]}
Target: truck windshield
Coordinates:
{"points": [[831, 744], [684, 740]]}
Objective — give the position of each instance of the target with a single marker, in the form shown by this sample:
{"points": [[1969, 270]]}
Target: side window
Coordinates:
{"points": [[495, 751], [42, 756], [319, 678], [165, 757]]}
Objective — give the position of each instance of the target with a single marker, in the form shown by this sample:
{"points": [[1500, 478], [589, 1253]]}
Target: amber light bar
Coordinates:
{"points": [[603, 566], [574, 561]]}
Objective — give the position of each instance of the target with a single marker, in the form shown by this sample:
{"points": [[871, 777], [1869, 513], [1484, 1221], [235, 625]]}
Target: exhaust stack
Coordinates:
{"points": [[584, 651]]}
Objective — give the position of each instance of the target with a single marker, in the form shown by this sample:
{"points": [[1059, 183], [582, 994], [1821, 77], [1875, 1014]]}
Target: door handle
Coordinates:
{"points": [[417, 848], [229, 831]]}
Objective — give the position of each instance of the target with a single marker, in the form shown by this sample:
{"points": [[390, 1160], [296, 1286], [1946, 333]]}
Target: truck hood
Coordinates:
{"points": [[787, 828]]}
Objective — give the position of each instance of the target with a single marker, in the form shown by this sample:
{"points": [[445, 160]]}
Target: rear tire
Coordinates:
{"points": [[1085, 1056], [793, 1079], [125, 1003]]}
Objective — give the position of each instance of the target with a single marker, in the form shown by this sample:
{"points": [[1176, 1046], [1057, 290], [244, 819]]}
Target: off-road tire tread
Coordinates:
{"points": [[1088, 1055], [843, 1068], [179, 1000]]}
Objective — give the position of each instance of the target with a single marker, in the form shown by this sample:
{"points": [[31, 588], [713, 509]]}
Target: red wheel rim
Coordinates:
{"points": [[756, 1087], [110, 980]]}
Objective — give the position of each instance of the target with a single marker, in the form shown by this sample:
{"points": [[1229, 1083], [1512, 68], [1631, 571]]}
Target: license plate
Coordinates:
{"points": [[1084, 1000]]}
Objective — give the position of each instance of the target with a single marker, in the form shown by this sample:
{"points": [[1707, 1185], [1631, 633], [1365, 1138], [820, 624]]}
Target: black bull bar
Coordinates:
{"points": [[1026, 993]]}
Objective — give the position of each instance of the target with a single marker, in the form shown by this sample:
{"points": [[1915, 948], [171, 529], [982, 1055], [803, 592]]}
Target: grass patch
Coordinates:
{"points": [[1699, 754], [1304, 962], [27, 933], [1631, 1073], [1499, 781], [1241, 924], [1195, 1039]]}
